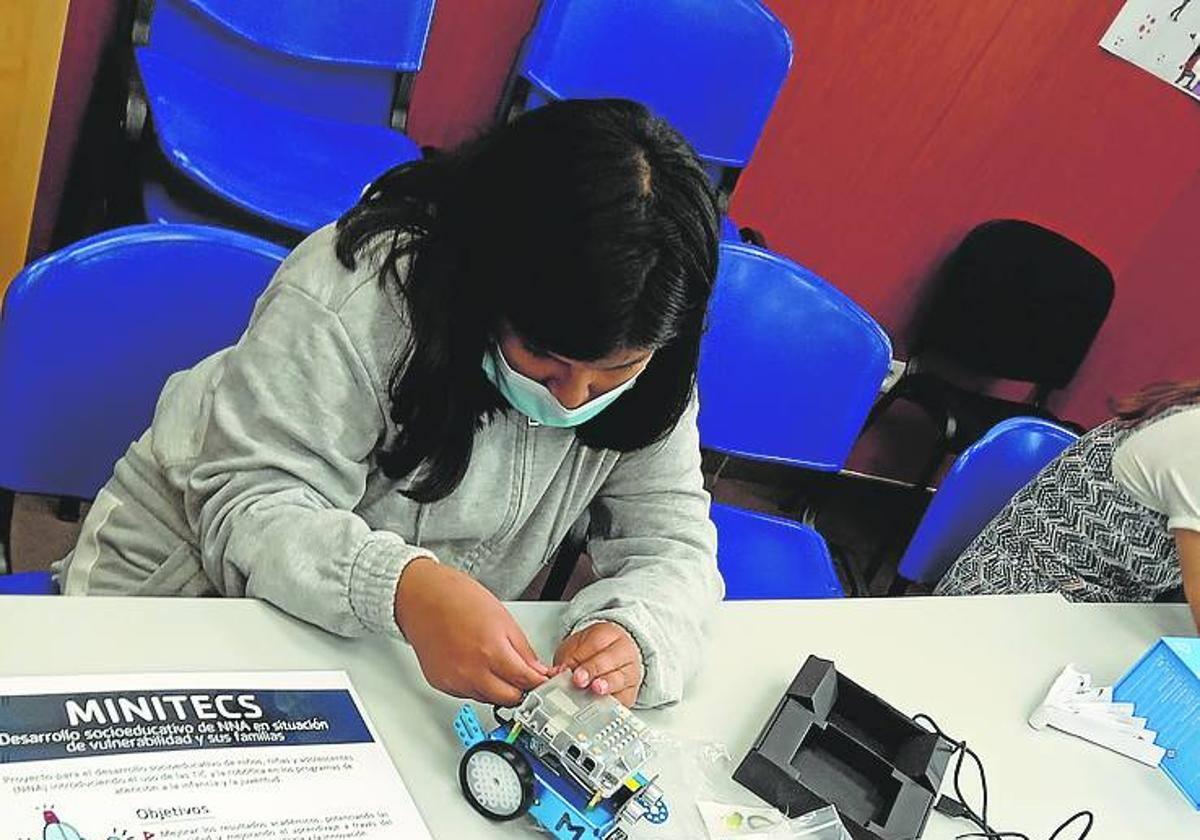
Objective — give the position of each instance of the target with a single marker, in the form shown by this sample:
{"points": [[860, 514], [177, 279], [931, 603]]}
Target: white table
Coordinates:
{"points": [[978, 666]]}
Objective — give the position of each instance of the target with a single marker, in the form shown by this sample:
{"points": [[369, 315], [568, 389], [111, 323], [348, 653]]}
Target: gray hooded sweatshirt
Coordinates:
{"points": [[258, 477]]}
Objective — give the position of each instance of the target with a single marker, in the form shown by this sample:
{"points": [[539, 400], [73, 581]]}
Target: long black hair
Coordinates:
{"points": [[589, 226]]}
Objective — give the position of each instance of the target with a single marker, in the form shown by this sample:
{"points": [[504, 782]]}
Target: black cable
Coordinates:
{"points": [[960, 809], [1087, 815]]}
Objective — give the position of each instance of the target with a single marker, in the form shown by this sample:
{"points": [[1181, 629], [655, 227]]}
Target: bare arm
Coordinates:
{"points": [[1189, 561]]}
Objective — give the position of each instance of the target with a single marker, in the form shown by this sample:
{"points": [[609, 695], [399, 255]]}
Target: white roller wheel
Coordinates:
{"points": [[497, 780]]}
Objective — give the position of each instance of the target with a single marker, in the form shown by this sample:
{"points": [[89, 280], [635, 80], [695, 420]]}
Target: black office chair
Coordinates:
{"points": [[1014, 301]]}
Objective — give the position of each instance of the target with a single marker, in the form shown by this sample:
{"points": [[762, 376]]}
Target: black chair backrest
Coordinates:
{"points": [[1016, 301]]}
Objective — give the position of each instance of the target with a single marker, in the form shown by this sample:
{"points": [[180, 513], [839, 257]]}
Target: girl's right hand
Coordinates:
{"points": [[468, 644]]}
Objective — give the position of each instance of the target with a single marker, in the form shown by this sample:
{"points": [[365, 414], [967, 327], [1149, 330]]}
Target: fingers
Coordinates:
{"points": [[492, 689], [583, 645], [623, 684], [611, 671], [526, 651], [619, 652], [509, 666], [603, 658], [621, 680], [612, 658], [564, 657]]}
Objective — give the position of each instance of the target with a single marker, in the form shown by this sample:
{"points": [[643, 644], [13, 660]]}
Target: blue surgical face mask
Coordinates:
{"points": [[534, 400]]}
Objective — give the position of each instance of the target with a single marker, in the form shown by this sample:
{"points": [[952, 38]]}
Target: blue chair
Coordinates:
{"points": [[284, 110], [28, 583], [763, 556], [90, 333], [711, 69], [789, 369], [980, 483]]}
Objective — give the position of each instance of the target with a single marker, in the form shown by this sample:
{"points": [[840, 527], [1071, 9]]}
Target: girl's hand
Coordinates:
{"points": [[468, 644], [605, 657]]}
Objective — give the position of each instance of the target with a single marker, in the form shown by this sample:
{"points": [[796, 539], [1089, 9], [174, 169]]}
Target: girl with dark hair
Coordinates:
{"points": [[495, 345], [1116, 517]]}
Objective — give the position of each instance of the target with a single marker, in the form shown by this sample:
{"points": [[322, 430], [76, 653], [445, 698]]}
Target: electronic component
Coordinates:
{"points": [[568, 758], [598, 740]]}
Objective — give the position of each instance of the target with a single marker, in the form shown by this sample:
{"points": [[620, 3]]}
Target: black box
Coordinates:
{"points": [[832, 742]]}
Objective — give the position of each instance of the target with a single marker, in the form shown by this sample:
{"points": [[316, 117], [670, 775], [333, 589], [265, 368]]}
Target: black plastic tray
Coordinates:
{"points": [[832, 742]]}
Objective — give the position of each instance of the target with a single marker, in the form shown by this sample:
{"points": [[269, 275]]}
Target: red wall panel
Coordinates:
{"points": [[471, 47], [904, 125]]}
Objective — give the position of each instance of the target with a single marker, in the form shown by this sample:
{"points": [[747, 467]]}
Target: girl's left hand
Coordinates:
{"points": [[604, 657]]}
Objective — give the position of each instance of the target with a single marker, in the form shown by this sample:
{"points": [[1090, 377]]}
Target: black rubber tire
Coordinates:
{"points": [[520, 767]]}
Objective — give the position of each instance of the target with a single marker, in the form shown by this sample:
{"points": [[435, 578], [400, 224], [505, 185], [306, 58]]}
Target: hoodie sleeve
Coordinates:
{"points": [[654, 548], [292, 426]]}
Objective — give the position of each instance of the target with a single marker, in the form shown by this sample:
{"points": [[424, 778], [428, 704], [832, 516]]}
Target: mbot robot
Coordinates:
{"points": [[569, 759]]}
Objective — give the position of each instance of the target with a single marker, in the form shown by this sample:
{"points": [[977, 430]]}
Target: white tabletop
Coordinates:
{"points": [[978, 666]]}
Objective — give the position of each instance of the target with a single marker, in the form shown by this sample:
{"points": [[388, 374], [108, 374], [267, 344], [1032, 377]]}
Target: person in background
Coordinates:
{"points": [[1187, 76], [495, 344], [1116, 517]]}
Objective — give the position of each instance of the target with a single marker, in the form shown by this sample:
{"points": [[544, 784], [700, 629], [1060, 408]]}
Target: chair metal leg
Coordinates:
{"points": [[805, 504], [711, 481], [892, 545], [946, 424], [876, 562], [881, 407], [903, 535], [856, 586], [926, 476]]}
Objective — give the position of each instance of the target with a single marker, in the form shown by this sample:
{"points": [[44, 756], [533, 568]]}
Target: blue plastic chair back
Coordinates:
{"points": [[789, 367], [334, 61], [90, 333], [296, 171], [764, 556], [375, 33], [712, 69], [980, 483], [28, 583]]}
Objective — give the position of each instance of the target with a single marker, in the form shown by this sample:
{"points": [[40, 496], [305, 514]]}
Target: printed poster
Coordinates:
{"points": [[284, 756], [1161, 37]]}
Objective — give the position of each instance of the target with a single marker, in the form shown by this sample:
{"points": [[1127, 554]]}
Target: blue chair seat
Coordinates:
{"points": [[763, 556], [298, 171], [28, 583], [981, 481]]}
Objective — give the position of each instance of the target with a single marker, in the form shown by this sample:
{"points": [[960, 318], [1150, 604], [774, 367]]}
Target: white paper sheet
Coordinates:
{"points": [[238, 756], [1161, 37]]}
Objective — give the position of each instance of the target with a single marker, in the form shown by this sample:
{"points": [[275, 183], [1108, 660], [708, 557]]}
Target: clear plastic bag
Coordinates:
{"points": [[725, 821], [705, 803]]}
